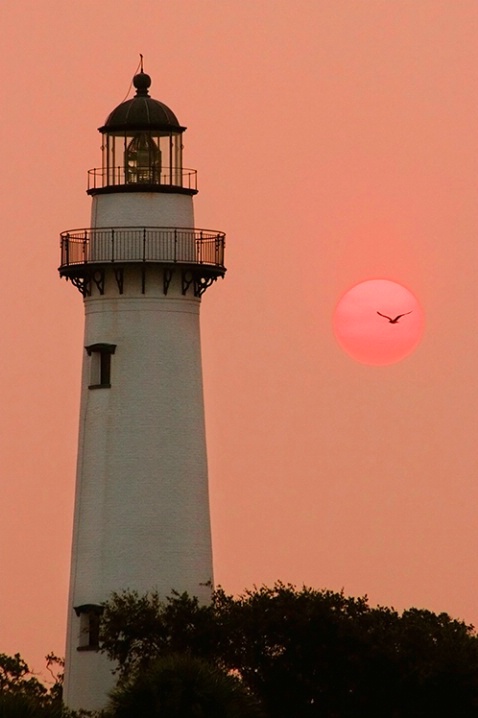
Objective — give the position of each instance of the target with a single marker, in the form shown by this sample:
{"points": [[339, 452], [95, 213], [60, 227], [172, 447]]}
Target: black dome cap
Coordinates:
{"points": [[142, 112]]}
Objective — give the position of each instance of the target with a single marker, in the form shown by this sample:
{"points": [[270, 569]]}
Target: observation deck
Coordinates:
{"points": [[86, 254]]}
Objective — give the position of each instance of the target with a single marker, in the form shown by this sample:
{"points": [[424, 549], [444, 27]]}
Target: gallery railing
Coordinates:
{"points": [[142, 244], [100, 177]]}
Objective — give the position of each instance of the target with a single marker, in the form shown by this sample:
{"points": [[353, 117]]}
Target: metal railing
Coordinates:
{"points": [[142, 244], [149, 175]]}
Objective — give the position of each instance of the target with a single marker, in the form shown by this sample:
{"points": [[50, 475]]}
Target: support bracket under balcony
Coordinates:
{"points": [[201, 283], [167, 277], [187, 278], [83, 284], [99, 279], [119, 276]]}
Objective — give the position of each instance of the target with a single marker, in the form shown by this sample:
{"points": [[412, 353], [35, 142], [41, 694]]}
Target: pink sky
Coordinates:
{"points": [[335, 141]]}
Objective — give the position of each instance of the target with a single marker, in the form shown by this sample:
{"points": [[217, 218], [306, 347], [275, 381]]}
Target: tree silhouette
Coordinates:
{"points": [[305, 653]]}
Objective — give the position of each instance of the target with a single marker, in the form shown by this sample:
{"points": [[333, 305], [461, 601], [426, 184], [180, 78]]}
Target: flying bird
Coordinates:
{"points": [[395, 319]]}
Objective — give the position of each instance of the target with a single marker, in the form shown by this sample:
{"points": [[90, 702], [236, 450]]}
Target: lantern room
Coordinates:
{"points": [[142, 148]]}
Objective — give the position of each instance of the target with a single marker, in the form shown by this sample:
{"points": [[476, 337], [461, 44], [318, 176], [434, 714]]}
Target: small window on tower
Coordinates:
{"points": [[89, 633], [100, 365]]}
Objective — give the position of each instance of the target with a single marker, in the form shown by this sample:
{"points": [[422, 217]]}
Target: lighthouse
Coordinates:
{"points": [[141, 507]]}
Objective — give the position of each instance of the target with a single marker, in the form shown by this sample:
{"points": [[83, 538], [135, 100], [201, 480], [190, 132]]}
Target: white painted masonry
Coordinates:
{"points": [[141, 511], [150, 209]]}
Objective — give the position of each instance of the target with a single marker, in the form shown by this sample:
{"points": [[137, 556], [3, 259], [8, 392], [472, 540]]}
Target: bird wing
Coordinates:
{"points": [[385, 315], [402, 315]]}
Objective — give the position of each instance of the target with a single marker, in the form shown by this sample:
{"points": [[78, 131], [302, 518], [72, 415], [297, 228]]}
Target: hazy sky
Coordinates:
{"points": [[335, 141]]}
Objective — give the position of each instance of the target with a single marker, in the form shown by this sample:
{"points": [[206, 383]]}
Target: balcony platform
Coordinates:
{"points": [[86, 255]]}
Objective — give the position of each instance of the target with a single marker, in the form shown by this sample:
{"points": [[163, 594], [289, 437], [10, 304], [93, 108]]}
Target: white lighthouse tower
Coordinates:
{"points": [[141, 509]]}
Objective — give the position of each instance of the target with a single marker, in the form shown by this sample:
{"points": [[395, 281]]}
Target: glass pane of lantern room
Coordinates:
{"points": [[178, 158], [165, 158], [129, 159], [142, 158], [115, 159], [108, 159], [157, 157]]}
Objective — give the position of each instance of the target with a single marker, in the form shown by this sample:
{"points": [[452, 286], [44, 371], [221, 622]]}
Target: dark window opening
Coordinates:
{"points": [[89, 630], [100, 365], [105, 369]]}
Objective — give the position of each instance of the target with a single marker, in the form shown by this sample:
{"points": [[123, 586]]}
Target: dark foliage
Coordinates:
{"points": [[306, 653], [183, 687], [22, 695]]}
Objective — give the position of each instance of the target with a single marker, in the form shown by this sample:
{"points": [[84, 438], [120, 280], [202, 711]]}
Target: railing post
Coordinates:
{"points": [[112, 245], [175, 245], [144, 244], [85, 245]]}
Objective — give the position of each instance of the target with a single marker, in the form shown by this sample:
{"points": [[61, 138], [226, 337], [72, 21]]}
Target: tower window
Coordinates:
{"points": [[100, 365], [89, 634]]}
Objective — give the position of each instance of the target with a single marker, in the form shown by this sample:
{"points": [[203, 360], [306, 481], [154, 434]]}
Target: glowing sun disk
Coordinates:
{"points": [[378, 322]]}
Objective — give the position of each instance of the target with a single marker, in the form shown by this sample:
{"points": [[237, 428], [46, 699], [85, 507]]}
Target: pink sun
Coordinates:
{"points": [[371, 338]]}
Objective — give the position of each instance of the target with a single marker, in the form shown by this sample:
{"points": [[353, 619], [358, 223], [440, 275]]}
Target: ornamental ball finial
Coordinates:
{"points": [[142, 82]]}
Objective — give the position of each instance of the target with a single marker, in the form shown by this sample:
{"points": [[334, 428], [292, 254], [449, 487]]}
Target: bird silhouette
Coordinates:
{"points": [[395, 319]]}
